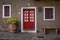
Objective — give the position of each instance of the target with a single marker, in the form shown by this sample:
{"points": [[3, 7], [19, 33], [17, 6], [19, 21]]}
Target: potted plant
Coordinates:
{"points": [[13, 22]]}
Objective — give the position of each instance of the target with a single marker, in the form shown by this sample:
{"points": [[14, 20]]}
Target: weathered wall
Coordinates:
{"points": [[16, 7]]}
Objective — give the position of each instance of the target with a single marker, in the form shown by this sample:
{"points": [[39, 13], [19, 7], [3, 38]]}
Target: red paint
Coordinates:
{"points": [[28, 25]]}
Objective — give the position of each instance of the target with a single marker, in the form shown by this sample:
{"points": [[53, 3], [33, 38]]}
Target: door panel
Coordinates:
{"points": [[28, 19]]}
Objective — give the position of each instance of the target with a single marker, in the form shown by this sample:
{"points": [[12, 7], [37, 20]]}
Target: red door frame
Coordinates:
{"points": [[22, 30]]}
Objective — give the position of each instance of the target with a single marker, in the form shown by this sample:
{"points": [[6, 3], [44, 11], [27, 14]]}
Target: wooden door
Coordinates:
{"points": [[29, 21]]}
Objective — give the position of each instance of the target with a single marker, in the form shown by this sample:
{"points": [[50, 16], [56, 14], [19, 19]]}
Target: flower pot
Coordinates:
{"points": [[12, 28]]}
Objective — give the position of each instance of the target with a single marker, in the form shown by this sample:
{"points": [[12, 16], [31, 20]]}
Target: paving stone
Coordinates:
{"points": [[7, 35], [27, 36]]}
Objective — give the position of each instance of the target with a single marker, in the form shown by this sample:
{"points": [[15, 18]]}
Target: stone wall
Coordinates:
{"points": [[16, 8]]}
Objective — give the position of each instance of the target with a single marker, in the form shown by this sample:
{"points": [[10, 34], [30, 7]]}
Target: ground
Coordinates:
{"points": [[28, 36]]}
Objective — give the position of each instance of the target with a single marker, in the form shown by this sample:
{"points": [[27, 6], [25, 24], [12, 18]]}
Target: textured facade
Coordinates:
{"points": [[41, 23]]}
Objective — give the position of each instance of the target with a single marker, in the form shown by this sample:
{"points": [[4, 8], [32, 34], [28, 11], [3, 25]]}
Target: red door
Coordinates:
{"points": [[28, 19]]}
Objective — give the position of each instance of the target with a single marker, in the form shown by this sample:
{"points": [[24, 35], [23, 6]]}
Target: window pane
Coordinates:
{"points": [[6, 10], [48, 13]]}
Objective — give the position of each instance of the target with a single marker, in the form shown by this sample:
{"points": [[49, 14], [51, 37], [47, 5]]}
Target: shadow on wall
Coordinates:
{"points": [[19, 27]]}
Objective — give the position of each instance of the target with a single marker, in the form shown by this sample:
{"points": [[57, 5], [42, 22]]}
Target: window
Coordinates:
{"points": [[6, 11], [49, 13]]}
